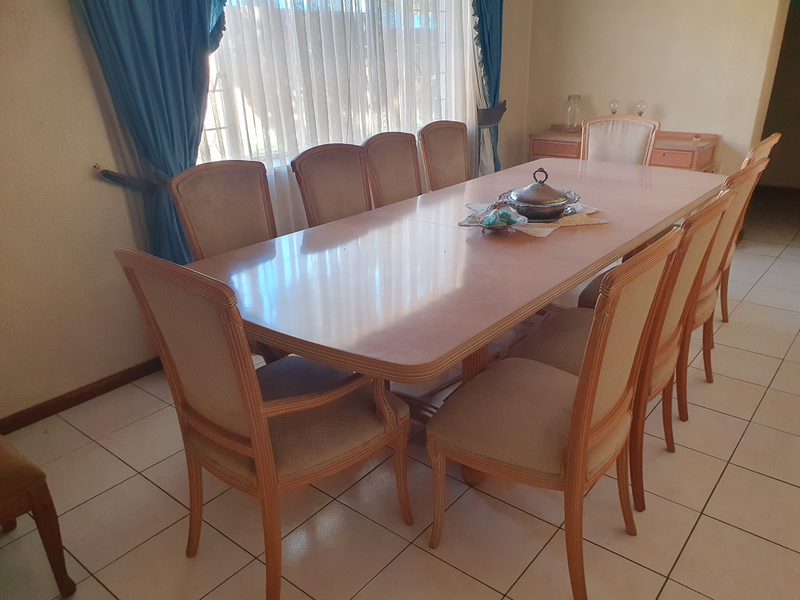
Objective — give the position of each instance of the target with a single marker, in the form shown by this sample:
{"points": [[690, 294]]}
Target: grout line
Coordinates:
{"points": [[751, 533]]}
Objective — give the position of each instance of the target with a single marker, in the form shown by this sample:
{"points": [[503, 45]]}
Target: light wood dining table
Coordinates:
{"points": [[403, 293]]}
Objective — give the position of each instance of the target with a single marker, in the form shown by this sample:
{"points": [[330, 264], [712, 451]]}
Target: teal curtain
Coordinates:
{"points": [[154, 58], [490, 33]]}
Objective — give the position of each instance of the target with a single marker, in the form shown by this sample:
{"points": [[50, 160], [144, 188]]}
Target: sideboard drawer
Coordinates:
{"points": [[671, 158], [551, 148]]}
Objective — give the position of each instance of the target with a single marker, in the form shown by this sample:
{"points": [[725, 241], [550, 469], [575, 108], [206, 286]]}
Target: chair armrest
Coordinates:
{"points": [[292, 404]]}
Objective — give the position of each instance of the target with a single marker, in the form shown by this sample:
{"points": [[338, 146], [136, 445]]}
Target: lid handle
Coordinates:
{"points": [[537, 171]]}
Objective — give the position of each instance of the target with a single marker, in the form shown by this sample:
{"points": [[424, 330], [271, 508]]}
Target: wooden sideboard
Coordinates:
{"points": [[693, 151]]}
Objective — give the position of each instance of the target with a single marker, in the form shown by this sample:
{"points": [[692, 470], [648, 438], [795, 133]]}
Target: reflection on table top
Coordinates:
{"points": [[403, 293]]}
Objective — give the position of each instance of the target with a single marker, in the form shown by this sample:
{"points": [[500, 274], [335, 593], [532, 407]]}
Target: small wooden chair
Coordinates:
{"points": [[741, 184], [445, 153], [536, 424], [23, 489], [334, 182], [761, 150], [290, 423], [625, 139], [223, 206], [394, 167]]}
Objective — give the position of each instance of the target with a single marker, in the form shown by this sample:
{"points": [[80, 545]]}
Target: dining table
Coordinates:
{"points": [[403, 293]]}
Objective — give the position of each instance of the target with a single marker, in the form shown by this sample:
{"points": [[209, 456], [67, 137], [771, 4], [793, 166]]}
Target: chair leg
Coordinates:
{"points": [[666, 415], [682, 374], [723, 294], [44, 513], [471, 476], [624, 492], [573, 528], [708, 344], [401, 473], [636, 446], [271, 521], [8, 525], [439, 482], [195, 503]]}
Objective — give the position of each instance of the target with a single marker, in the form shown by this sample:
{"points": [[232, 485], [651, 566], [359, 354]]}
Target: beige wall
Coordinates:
{"points": [[67, 316], [784, 109], [701, 66]]}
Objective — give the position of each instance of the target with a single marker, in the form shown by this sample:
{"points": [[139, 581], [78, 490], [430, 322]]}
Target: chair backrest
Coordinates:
{"points": [[624, 139], [741, 184], [200, 337], [445, 153], [334, 182], [761, 150], [394, 167], [614, 352], [223, 206]]}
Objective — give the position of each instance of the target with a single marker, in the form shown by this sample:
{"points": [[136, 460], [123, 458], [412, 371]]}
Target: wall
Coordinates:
{"points": [[67, 315], [784, 108], [701, 66]]}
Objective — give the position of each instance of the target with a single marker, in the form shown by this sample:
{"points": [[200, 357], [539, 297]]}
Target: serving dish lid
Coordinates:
{"points": [[539, 192]]}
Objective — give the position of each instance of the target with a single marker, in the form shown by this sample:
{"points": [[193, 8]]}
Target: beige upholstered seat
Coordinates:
{"points": [[23, 489], [334, 182], [445, 153], [624, 139], [292, 422], [394, 167], [533, 423], [223, 206], [741, 185]]}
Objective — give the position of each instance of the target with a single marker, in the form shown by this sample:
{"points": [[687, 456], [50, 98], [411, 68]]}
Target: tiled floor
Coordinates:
{"points": [[723, 516]]}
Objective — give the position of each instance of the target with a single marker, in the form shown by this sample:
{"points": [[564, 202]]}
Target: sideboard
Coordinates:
{"points": [[693, 151]]}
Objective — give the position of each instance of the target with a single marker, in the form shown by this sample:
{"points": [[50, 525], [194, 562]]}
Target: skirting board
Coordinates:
{"points": [[48, 408]]}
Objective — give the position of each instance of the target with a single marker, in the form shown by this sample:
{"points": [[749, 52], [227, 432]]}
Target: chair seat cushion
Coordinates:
{"points": [[17, 473], [307, 440], [560, 341], [518, 412]]}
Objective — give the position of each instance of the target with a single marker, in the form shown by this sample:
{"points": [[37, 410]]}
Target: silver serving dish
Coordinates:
{"points": [[539, 201]]}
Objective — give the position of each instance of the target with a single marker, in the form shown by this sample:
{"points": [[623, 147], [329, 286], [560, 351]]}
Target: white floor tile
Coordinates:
{"points": [[737, 291], [723, 562], [787, 378], [116, 409], [238, 515], [47, 440], [172, 476], [727, 395], [548, 505], [156, 384], [779, 410], [101, 530], [251, 584], [25, 524], [767, 317], [749, 268], [488, 539], [706, 430], [662, 529], [754, 339], [794, 352], [774, 297], [26, 573], [791, 253], [763, 233], [90, 589], [758, 504], [783, 274], [160, 570], [740, 364], [147, 441], [676, 591], [762, 248], [337, 552], [82, 474], [417, 574], [376, 497], [608, 576], [767, 451]]}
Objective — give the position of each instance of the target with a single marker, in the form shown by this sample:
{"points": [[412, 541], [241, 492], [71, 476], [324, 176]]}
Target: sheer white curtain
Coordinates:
{"points": [[292, 74]]}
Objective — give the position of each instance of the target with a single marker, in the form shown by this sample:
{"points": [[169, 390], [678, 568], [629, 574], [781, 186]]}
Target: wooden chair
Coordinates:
{"points": [[445, 153], [624, 139], [334, 182], [23, 489], [741, 185], [223, 206], [536, 424], [289, 423], [394, 167], [761, 150], [561, 340]]}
